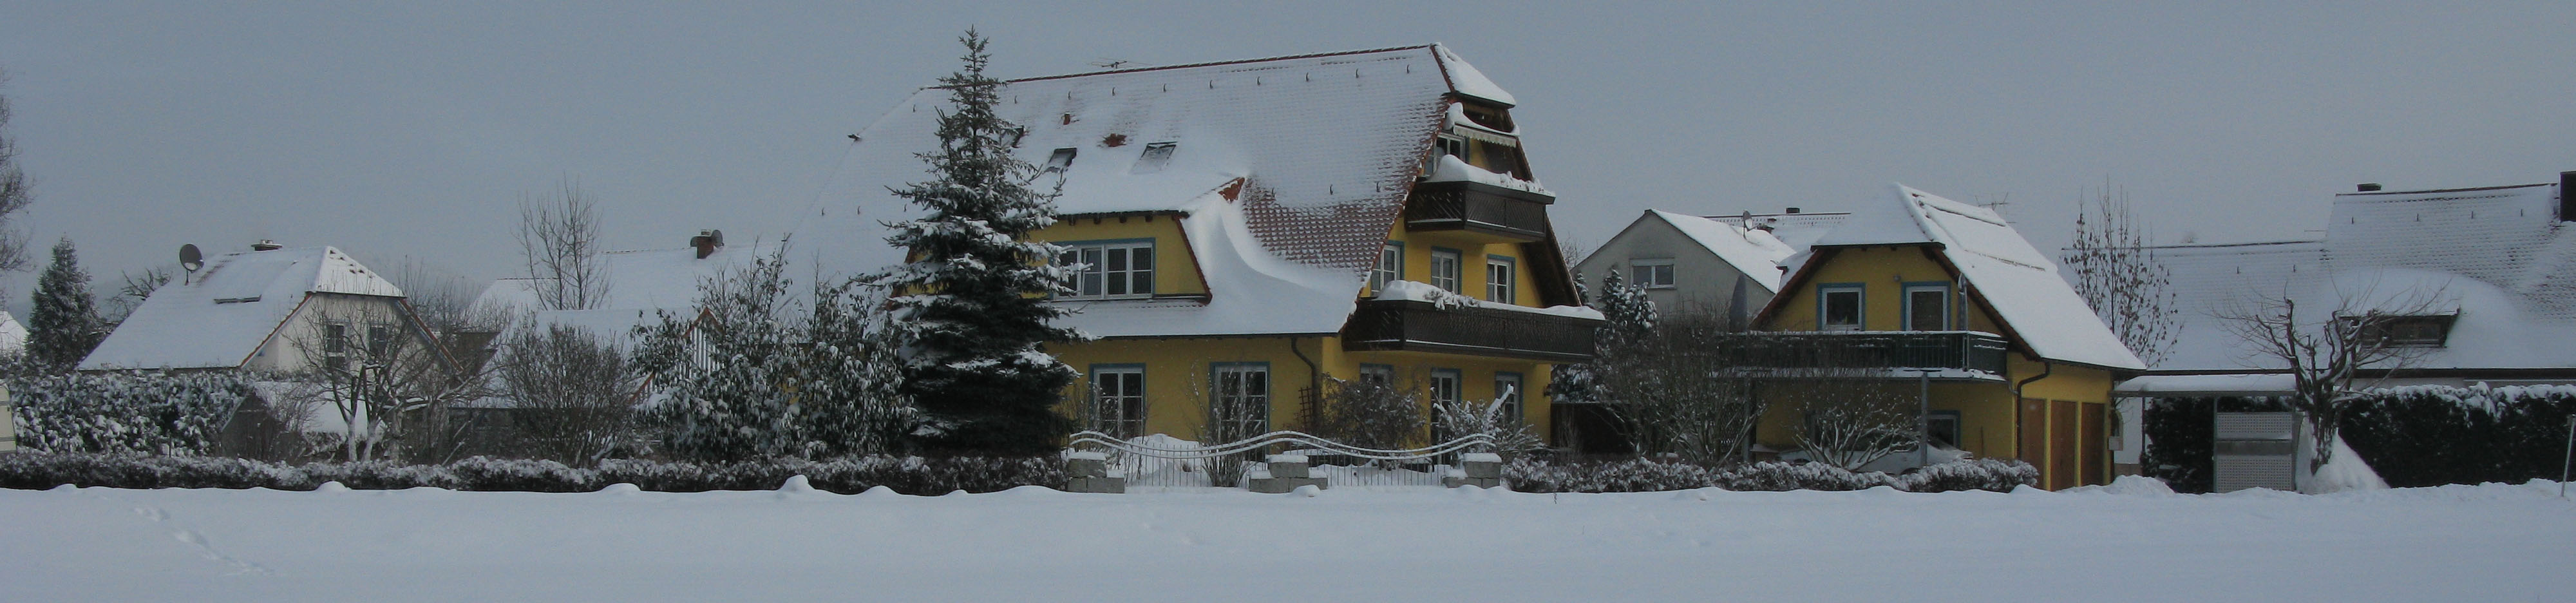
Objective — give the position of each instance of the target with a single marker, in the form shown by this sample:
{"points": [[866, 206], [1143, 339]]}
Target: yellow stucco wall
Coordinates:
{"points": [[1473, 249], [1989, 419], [1176, 267], [1177, 375]]}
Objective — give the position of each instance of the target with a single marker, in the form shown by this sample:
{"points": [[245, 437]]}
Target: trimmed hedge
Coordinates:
{"points": [[1643, 475], [908, 475], [2413, 436]]}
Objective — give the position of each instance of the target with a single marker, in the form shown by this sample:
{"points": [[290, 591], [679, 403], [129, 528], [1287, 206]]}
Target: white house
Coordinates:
{"points": [[1727, 267], [269, 309]]}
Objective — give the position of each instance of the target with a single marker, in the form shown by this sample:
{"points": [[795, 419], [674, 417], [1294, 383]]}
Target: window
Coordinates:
{"points": [[1942, 426], [1241, 405], [1390, 266], [380, 341], [335, 346], [1507, 388], [1839, 307], [1446, 269], [1444, 385], [1927, 306], [1377, 374], [1454, 145], [1118, 399], [1156, 155], [1651, 274], [1110, 269], [1060, 160], [1498, 279], [2424, 331]]}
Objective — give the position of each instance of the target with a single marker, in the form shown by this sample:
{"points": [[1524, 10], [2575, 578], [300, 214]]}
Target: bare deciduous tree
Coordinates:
{"points": [[385, 377], [1680, 393], [131, 294], [2114, 270], [2332, 354], [559, 238], [573, 392], [15, 194], [1850, 423]]}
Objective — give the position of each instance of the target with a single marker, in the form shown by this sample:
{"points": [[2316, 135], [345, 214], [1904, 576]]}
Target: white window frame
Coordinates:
{"points": [[1448, 385], [1824, 304], [1118, 399], [1498, 279], [1913, 288], [1510, 388], [335, 345], [1235, 387], [1652, 273], [1390, 266], [1094, 279], [1448, 269]]}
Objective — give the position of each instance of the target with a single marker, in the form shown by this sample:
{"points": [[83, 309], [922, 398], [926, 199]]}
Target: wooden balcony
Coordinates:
{"points": [[1505, 213], [1946, 355], [1381, 325]]}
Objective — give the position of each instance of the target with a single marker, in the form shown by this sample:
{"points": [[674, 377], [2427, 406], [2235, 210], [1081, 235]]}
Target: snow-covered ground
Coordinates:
{"points": [[2485, 543]]}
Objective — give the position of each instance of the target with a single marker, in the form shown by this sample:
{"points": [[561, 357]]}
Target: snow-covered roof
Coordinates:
{"points": [[641, 283], [2013, 279], [1798, 230], [219, 316], [1754, 253], [2498, 258], [1288, 174]]}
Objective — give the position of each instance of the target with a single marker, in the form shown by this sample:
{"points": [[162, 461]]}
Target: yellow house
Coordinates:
{"points": [[1931, 294], [1247, 231]]}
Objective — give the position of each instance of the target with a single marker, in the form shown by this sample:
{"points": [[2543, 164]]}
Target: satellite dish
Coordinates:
{"points": [[716, 236], [190, 259]]}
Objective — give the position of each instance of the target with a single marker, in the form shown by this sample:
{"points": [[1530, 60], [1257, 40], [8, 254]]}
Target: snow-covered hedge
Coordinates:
{"points": [[143, 413], [909, 475], [1643, 475], [2434, 435]]}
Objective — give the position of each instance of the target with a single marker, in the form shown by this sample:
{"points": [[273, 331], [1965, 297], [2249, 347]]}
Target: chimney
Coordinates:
{"points": [[2566, 202], [1793, 210], [706, 242], [266, 245], [2366, 187]]}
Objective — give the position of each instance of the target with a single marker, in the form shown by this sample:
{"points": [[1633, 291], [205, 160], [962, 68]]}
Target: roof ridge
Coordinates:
{"points": [[2444, 190], [1212, 63]]}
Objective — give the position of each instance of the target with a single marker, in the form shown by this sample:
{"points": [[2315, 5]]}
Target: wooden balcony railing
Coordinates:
{"points": [[1506, 213], [1952, 354], [1422, 326]]}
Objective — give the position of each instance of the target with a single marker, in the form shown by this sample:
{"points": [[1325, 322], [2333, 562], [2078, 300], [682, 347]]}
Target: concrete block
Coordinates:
{"points": [[1483, 468], [1287, 469], [1084, 467], [1480, 482], [1281, 485], [1096, 485]]}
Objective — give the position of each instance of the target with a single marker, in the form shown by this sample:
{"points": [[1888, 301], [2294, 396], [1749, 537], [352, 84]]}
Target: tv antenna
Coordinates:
{"points": [[190, 260]]}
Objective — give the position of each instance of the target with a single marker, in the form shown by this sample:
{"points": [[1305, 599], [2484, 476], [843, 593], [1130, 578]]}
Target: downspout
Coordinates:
{"points": [[1314, 385], [2044, 369]]}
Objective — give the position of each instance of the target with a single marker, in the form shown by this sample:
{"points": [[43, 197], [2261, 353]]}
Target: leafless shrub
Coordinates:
{"points": [[572, 392], [1850, 423], [559, 239], [1371, 413]]}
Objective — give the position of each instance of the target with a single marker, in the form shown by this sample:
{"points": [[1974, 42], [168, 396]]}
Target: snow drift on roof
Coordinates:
{"points": [[2497, 258], [2014, 279], [1314, 156], [1754, 253], [217, 317]]}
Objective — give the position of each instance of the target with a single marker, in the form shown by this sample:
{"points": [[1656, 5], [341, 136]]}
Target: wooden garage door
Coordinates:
{"points": [[2095, 444], [2061, 444]]}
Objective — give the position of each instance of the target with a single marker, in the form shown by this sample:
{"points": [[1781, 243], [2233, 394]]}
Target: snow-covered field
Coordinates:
{"points": [[2485, 543]]}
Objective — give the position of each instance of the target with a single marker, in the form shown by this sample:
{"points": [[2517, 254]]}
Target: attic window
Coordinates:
{"points": [[1488, 116], [1156, 155], [1060, 161], [2408, 331]]}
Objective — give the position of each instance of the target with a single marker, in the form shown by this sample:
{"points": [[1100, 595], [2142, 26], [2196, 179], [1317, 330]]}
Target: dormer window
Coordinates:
{"points": [[1156, 156], [1488, 116], [2409, 331], [1110, 269], [1060, 161]]}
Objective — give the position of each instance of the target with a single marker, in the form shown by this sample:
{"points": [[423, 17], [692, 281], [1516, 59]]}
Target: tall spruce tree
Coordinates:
{"points": [[972, 300], [64, 324], [1628, 319]]}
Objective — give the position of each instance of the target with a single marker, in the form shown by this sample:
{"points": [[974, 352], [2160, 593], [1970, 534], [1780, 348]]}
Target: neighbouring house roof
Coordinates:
{"points": [[1798, 230], [13, 336], [2498, 259], [641, 285], [2020, 285], [219, 316], [1286, 174], [1755, 253]]}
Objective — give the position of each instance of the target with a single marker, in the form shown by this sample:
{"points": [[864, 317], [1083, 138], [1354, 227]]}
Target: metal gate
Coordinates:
{"points": [[1166, 464], [2253, 450]]}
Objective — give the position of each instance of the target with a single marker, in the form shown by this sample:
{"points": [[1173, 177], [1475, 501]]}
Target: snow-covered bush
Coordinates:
{"points": [[1644, 475], [909, 475], [140, 412]]}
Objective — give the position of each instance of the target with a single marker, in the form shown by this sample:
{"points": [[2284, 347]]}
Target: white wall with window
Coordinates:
{"points": [[1110, 269], [1652, 273]]}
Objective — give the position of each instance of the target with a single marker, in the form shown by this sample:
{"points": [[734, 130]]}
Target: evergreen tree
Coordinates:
{"points": [[972, 301], [1628, 320], [748, 377], [64, 324]]}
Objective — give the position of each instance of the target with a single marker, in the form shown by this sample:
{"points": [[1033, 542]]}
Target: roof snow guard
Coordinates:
{"points": [[2008, 275], [222, 314], [1287, 173]]}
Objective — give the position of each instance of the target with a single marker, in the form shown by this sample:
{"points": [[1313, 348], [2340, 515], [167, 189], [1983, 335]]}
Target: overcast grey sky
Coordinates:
{"points": [[412, 130]]}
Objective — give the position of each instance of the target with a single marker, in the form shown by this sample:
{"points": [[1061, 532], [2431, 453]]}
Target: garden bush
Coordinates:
{"points": [[908, 475]]}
